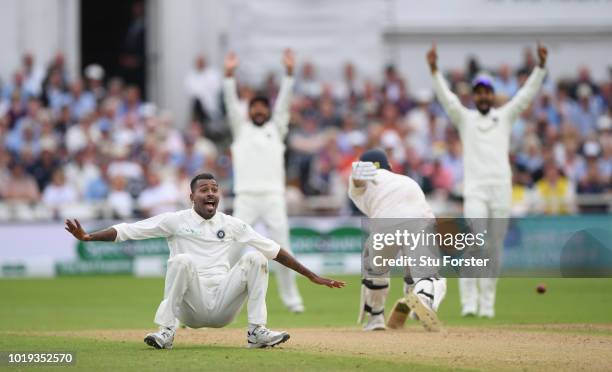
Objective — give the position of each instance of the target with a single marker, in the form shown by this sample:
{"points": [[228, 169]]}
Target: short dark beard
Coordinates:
{"points": [[484, 112], [204, 213], [259, 123]]}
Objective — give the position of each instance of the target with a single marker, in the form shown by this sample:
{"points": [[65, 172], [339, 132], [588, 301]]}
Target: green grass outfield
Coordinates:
{"points": [[81, 303]]}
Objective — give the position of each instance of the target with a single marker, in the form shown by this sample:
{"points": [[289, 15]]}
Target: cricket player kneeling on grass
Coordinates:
{"points": [[201, 288], [380, 193]]}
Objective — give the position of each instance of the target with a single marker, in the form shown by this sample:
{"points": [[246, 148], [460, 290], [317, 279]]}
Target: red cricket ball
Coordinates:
{"points": [[541, 288]]}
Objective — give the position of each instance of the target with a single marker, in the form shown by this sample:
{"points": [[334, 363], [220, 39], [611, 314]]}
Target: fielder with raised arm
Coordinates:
{"points": [[380, 193], [487, 190], [258, 156], [202, 289]]}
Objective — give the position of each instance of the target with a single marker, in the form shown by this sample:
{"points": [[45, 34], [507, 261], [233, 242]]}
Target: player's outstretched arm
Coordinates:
{"points": [[286, 259], [74, 227], [523, 98], [230, 94], [281, 114], [449, 101]]}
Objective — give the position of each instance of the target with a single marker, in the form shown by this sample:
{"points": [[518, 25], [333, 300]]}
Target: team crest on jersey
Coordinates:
{"points": [[377, 164], [220, 234]]}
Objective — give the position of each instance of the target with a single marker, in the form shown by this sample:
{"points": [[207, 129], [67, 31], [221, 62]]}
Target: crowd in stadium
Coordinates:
{"points": [[93, 146]]}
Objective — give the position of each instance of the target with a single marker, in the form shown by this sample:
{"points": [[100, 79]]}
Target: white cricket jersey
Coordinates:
{"points": [[390, 195], [258, 151], [486, 138], [208, 241]]}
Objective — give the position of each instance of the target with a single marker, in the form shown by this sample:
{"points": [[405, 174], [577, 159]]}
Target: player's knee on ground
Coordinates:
{"points": [[376, 291]]}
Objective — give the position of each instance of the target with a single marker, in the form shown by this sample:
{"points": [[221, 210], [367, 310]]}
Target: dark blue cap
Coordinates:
{"points": [[378, 157], [483, 80]]}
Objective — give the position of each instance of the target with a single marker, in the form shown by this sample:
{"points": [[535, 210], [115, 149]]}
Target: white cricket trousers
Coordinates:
{"points": [[214, 302], [271, 210], [486, 201]]}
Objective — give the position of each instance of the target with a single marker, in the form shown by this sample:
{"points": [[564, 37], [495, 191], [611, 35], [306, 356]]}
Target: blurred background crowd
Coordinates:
{"points": [[92, 147]]}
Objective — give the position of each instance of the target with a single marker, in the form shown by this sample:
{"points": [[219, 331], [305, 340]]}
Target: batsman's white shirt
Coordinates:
{"points": [[486, 138], [208, 242], [258, 151], [390, 195]]}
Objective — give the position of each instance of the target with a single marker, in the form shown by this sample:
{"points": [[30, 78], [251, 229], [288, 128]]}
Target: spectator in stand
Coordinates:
{"points": [[59, 193], [328, 118], [158, 197], [94, 74], [131, 104], [521, 194], [54, 91], [15, 88], [530, 158], [505, 84], [554, 194], [123, 166], [586, 113], [307, 84], [98, 188], [44, 168], [203, 85], [594, 181], [392, 85], [347, 90], [418, 122], [82, 170], [191, 158], [119, 199], [33, 76], [82, 102], [20, 186]]}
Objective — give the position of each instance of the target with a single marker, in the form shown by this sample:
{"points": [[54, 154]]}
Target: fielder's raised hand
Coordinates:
{"points": [[542, 54], [289, 61], [432, 58], [74, 227], [230, 64]]}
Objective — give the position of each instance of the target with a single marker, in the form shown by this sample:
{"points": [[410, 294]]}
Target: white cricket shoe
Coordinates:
{"points": [[486, 313], [262, 337], [376, 323], [161, 339], [421, 308], [296, 309]]}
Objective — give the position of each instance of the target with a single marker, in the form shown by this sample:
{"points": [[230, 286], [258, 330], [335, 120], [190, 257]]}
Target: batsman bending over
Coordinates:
{"points": [[201, 288], [380, 193]]}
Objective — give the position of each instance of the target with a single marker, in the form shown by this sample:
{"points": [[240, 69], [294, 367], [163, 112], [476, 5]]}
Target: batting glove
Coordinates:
{"points": [[364, 171]]}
